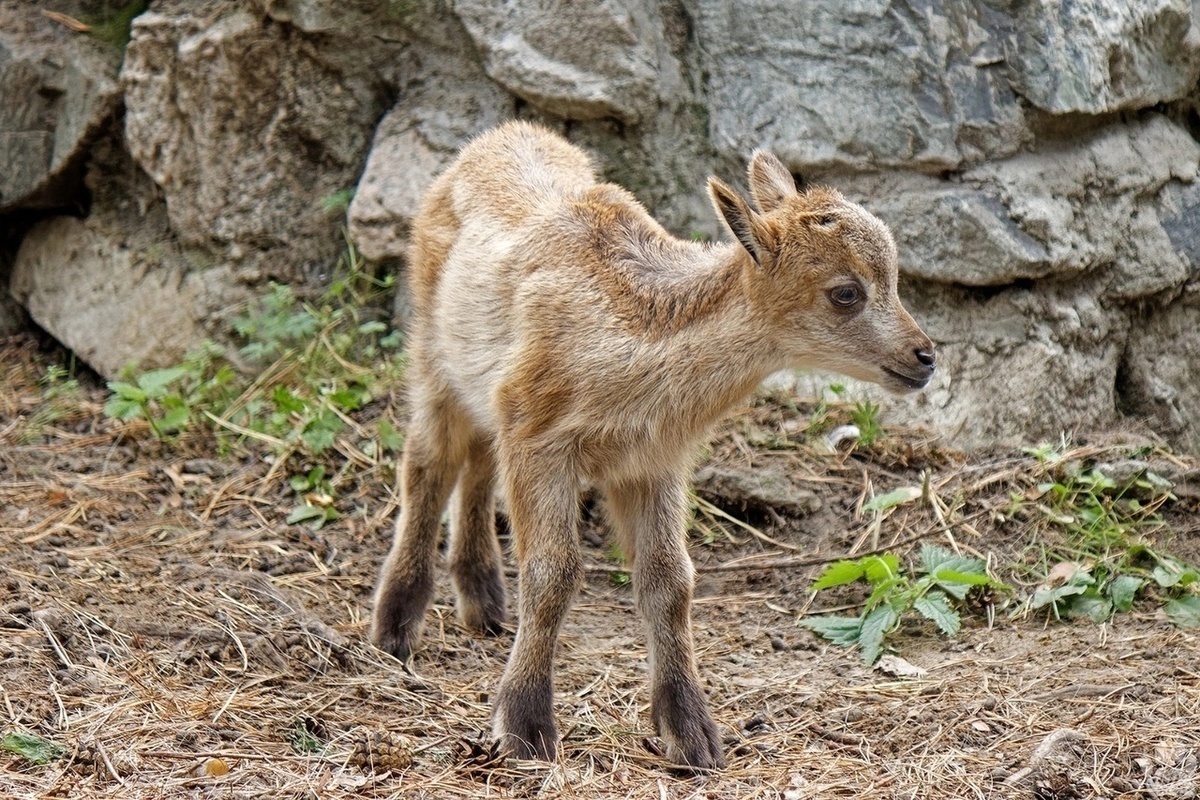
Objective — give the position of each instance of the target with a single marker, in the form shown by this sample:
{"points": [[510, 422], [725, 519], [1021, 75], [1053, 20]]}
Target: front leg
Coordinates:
{"points": [[543, 506], [650, 518]]}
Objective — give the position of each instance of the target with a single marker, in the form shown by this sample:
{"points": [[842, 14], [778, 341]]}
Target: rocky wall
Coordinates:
{"points": [[1037, 161]]}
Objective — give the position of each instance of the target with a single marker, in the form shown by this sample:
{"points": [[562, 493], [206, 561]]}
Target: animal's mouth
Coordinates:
{"points": [[908, 381]]}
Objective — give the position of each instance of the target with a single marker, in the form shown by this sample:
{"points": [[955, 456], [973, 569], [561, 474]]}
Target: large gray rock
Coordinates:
{"points": [[100, 298], [575, 60], [957, 235], [398, 172], [1096, 56], [1061, 210], [249, 130], [1160, 375], [58, 88], [1093, 203], [859, 85], [445, 103], [116, 287]]}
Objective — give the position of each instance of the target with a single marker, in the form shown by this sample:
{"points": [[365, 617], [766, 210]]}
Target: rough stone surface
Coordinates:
{"points": [[249, 130], [1093, 203], [1118, 199], [149, 317], [400, 169], [756, 489], [962, 236], [114, 287], [1160, 376], [857, 84], [537, 52], [58, 89], [1095, 56]]}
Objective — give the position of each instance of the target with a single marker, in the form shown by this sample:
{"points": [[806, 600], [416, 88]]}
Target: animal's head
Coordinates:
{"points": [[824, 270]]}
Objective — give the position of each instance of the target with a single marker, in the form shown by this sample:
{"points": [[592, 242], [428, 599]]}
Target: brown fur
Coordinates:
{"points": [[562, 339]]}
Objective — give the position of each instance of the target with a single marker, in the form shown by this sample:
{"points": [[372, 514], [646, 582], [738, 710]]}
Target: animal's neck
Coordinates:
{"points": [[720, 346]]}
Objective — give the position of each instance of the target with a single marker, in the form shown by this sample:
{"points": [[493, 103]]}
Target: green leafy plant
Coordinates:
{"points": [[618, 577], [150, 396], [943, 579], [296, 382], [338, 201], [113, 25], [306, 736], [292, 384]]}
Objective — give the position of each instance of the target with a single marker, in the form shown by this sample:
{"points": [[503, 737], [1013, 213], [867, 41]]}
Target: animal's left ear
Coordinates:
{"points": [[770, 181]]}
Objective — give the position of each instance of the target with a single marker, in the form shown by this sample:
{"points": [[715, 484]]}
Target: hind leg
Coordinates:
{"points": [[433, 455], [475, 559]]}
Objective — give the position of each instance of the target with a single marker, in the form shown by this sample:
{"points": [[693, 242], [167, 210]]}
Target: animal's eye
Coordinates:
{"points": [[845, 296]]}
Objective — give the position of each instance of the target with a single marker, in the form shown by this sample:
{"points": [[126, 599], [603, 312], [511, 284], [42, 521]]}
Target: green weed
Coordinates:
{"points": [[113, 25], [943, 579], [865, 415]]}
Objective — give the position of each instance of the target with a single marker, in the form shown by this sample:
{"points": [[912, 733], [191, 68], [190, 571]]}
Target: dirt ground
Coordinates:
{"points": [[163, 625]]}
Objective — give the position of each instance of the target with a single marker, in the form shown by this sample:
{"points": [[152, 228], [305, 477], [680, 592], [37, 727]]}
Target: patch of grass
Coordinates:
{"points": [[316, 495], [865, 416], [338, 201], [941, 582], [1105, 556], [304, 369], [307, 736]]}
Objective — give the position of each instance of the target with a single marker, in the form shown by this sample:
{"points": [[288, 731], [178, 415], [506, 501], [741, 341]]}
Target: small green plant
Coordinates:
{"points": [[822, 417], [302, 373], [865, 415], [32, 748], [338, 201], [306, 736], [943, 579], [151, 396], [298, 373], [620, 577], [57, 382], [113, 25]]}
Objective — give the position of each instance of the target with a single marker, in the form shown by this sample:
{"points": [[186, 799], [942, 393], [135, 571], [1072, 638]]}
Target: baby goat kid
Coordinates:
{"points": [[562, 339]]}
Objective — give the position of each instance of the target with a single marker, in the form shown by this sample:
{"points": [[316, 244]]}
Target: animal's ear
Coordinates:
{"points": [[742, 221], [770, 181]]}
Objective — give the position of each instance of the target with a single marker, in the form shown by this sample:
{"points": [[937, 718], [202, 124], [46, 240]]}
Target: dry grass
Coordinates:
{"points": [[161, 623]]}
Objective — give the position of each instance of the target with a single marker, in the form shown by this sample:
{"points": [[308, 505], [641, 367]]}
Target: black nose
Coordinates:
{"points": [[926, 357]]}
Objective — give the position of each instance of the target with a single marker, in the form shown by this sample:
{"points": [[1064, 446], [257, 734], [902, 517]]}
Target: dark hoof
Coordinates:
{"points": [[488, 618], [397, 642], [702, 753], [399, 617], [681, 718], [524, 724]]}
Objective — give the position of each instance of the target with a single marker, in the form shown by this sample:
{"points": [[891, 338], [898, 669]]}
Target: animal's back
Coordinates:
{"points": [[498, 184]]}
